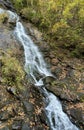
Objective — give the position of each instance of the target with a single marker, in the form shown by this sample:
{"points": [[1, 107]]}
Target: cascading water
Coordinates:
{"points": [[34, 63]]}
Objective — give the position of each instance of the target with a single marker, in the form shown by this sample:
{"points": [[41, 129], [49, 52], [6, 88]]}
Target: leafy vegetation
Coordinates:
{"points": [[11, 70], [60, 20]]}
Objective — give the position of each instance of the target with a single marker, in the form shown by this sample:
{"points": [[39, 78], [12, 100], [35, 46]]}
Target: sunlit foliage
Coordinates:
{"points": [[61, 20]]}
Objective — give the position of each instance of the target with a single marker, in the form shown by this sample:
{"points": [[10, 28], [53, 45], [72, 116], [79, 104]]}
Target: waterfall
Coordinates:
{"points": [[34, 62], [35, 65]]}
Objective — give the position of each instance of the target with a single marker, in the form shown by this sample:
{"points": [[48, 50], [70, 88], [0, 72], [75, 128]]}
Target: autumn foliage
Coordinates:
{"points": [[59, 20]]}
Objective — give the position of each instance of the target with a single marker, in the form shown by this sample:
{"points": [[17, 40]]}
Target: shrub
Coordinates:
{"points": [[62, 21], [12, 72]]}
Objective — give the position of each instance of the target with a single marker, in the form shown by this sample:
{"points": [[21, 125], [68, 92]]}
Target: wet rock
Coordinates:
{"points": [[76, 113], [25, 127], [11, 90], [28, 106], [43, 118], [6, 38], [48, 80], [60, 90], [6, 4], [12, 23], [17, 125], [39, 128], [4, 116], [57, 71], [4, 128], [33, 32]]}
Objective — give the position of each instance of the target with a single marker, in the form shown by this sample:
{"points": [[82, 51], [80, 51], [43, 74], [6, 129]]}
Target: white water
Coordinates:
{"points": [[34, 63]]}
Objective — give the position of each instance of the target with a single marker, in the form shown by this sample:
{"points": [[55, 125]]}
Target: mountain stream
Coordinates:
{"points": [[35, 65]]}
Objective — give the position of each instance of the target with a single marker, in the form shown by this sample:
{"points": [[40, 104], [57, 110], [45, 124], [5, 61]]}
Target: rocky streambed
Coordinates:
{"points": [[69, 82]]}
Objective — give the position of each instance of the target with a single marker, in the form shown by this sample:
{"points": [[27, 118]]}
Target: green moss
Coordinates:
{"points": [[59, 84], [81, 97], [30, 14], [79, 50], [3, 17], [12, 71]]}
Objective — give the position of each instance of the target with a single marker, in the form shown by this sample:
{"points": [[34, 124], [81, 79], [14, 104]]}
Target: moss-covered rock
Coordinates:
{"points": [[3, 17]]}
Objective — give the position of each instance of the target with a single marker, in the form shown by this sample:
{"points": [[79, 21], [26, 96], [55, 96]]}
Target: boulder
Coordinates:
{"points": [[48, 80], [60, 90]]}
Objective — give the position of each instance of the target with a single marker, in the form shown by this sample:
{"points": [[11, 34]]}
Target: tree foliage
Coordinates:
{"points": [[61, 20]]}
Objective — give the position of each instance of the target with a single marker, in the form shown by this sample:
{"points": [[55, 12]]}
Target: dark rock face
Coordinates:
{"points": [[48, 80], [76, 113], [6, 4], [5, 128], [28, 107], [25, 127]]}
